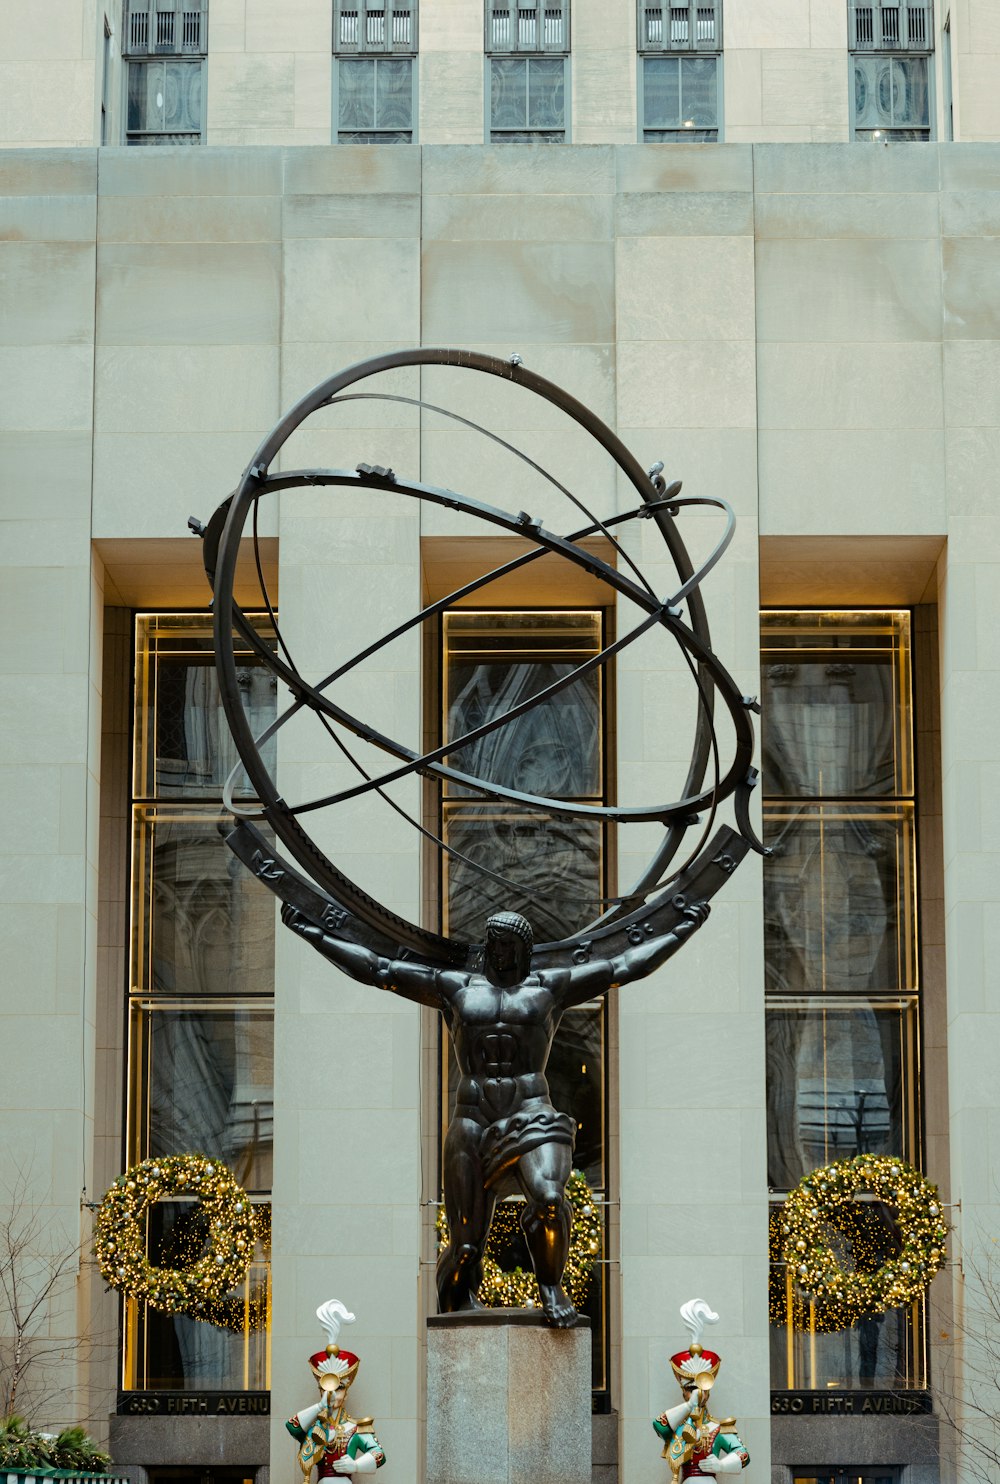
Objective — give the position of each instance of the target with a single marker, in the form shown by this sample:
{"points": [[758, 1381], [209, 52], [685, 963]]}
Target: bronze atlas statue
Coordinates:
{"points": [[502, 997]]}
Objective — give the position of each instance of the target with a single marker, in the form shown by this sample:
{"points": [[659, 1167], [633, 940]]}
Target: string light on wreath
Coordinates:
{"points": [[518, 1289], [819, 1316], [251, 1309], [227, 1225], [822, 1200]]}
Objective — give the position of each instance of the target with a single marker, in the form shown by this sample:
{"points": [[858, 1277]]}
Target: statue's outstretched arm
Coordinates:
{"points": [[589, 980], [412, 981]]}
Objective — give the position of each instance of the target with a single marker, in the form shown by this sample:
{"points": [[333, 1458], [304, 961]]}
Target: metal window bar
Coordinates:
{"points": [[137, 31], [890, 25], [362, 28], [191, 32], [165, 30], [161, 28], [526, 26], [681, 26]]}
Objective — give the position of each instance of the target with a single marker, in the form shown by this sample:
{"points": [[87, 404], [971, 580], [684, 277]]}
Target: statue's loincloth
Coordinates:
{"points": [[508, 1138]]}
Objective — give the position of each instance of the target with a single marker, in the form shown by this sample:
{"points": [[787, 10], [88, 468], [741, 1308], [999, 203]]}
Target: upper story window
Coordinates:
{"points": [[374, 46], [527, 49], [680, 46], [164, 46], [891, 44]]}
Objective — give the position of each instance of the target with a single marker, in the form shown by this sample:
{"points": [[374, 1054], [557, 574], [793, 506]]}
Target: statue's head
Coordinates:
{"points": [[334, 1368], [507, 953], [695, 1367]]}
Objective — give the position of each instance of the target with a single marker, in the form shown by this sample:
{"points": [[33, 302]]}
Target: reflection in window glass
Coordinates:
{"points": [[874, 1351], [183, 746], [891, 98], [836, 692], [527, 99], [164, 102], [878, 1351], [205, 1082], [174, 1352], [680, 99], [375, 100], [202, 925], [553, 868], [840, 1081], [839, 898], [497, 661]]}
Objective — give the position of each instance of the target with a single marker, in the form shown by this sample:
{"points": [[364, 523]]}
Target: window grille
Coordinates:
{"points": [[691, 26], [161, 28], [526, 26], [887, 25], [365, 27]]}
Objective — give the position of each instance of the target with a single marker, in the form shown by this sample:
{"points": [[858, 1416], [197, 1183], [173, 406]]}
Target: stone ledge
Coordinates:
{"points": [[164, 1442]]}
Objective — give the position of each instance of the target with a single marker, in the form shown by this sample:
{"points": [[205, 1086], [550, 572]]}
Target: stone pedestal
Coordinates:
{"points": [[508, 1400]]}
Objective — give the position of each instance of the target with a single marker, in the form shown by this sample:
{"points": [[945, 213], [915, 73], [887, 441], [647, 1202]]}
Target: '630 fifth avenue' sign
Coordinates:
{"points": [[849, 1403]]}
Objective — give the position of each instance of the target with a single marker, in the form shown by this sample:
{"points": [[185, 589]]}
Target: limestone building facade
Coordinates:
{"points": [[696, 232]]}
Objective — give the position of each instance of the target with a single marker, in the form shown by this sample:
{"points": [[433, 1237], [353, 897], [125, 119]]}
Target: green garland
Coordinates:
{"points": [[120, 1241], [519, 1289], [820, 1200]]}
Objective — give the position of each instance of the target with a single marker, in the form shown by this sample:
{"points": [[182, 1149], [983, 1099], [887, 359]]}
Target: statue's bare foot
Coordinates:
{"points": [[556, 1307]]}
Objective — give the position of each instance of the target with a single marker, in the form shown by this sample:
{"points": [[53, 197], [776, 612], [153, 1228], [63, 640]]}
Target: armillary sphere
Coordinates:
{"points": [[314, 883]]}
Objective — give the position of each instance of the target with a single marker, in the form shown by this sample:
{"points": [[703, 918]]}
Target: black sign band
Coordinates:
{"points": [[850, 1403], [194, 1404]]}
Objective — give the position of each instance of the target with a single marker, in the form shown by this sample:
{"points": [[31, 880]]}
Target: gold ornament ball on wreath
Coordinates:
{"points": [[815, 1204], [519, 1289], [120, 1237]]}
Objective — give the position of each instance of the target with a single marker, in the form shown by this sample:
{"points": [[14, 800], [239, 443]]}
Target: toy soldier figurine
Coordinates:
{"points": [[696, 1444], [335, 1442]]}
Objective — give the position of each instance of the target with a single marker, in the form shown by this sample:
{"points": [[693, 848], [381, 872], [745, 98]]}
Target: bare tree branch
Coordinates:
{"points": [[967, 1397], [38, 1269]]}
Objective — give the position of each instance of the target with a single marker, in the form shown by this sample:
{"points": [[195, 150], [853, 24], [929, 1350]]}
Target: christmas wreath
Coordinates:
{"points": [[518, 1289], [120, 1242], [820, 1200]]}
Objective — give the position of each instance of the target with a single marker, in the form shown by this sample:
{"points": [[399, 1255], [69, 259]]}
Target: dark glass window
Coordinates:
{"points": [[680, 100], [840, 1081], [201, 1032], [375, 100], [527, 100], [554, 871], [840, 936]]}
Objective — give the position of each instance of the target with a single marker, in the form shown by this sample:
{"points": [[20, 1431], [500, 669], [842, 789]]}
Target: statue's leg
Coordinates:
{"points": [[546, 1222], [469, 1209]]}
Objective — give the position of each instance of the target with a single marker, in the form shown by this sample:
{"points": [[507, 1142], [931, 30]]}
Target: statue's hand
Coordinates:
{"points": [[345, 1465], [709, 1465], [298, 922], [696, 913]]}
